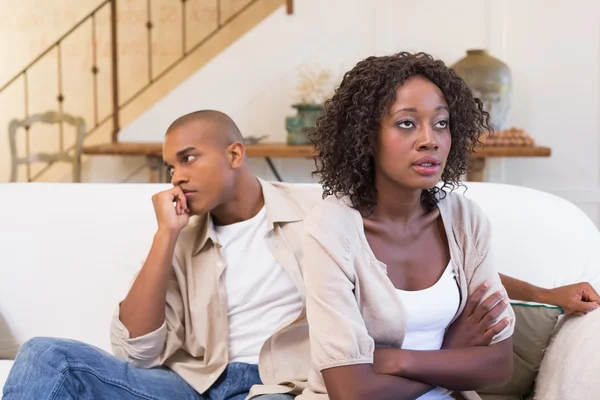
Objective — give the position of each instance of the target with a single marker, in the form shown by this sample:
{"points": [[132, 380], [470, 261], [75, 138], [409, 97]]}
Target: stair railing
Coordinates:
{"points": [[116, 102]]}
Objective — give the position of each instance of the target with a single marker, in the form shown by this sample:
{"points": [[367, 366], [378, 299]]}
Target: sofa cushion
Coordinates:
{"points": [[8, 344], [533, 329], [570, 367]]}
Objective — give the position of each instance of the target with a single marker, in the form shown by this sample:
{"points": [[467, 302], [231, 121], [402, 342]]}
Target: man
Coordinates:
{"points": [[216, 312], [576, 299]]}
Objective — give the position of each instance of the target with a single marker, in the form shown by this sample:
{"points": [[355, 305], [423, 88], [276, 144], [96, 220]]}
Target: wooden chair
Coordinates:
{"points": [[50, 117]]}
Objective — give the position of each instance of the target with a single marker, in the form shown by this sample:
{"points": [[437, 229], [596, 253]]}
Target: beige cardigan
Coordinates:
{"points": [[353, 307]]}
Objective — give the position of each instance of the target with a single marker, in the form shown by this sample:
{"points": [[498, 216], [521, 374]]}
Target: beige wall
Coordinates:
{"points": [[543, 41], [551, 46], [29, 27]]}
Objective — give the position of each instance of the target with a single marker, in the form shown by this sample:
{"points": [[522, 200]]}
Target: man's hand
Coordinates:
{"points": [[576, 299], [170, 207], [143, 310], [474, 326]]}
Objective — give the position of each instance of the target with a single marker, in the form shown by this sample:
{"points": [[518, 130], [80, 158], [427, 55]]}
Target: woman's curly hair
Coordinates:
{"points": [[345, 137]]}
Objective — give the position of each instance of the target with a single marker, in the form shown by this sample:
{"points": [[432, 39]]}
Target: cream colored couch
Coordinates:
{"points": [[69, 251]]}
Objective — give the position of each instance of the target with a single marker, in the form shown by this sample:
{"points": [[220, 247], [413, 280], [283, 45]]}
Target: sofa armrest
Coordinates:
{"points": [[569, 369]]}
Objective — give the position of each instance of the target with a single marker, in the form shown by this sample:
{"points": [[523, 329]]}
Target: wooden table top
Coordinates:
{"points": [[511, 151], [155, 149], [289, 151], [125, 149]]}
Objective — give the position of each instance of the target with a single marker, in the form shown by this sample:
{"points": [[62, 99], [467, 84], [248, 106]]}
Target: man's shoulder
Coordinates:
{"points": [[309, 197], [304, 196], [466, 218]]}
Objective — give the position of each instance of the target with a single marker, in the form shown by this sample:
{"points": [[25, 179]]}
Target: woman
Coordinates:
{"points": [[391, 258]]}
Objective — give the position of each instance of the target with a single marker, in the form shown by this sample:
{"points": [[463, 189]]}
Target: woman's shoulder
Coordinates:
{"points": [[464, 213], [334, 225], [332, 207], [334, 214]]}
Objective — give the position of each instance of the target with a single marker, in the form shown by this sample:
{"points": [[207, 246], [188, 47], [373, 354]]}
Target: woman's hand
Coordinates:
{"points": [[474, 326]]}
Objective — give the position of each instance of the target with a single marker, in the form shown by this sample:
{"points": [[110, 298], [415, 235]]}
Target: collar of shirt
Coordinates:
{"points": [[279, 210]]}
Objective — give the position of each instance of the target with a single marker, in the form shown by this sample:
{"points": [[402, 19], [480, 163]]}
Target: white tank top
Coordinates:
{"points": [[428, 314]]}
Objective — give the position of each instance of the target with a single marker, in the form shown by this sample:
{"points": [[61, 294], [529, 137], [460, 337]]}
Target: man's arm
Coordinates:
{"points": [[521, 290], [143, 310], [579, 298]]}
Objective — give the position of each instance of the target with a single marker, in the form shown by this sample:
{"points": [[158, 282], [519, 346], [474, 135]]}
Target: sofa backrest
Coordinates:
{"points": [[539, 237], [68, 252]]}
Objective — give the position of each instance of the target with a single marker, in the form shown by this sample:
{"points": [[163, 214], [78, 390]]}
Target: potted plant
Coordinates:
{"points": [[314, 87]]}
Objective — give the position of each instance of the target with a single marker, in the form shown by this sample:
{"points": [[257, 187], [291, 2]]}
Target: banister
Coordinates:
{"points": [[53, 45], [117, 102], [115, 69]]}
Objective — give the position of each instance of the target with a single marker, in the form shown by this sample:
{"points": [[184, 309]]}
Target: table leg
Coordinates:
{"points": [[164, 175], [154, 164], [476, 172], [273, 169]]}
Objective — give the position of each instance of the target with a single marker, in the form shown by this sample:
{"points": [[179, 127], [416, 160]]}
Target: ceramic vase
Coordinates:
{"points": [[298, 125], [490, 80]]}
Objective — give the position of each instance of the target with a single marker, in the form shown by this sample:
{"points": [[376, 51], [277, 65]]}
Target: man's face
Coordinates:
{"points": [[200, 164]]}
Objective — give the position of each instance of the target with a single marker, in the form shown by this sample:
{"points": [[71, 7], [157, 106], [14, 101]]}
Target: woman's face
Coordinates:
{"points": [[414, 136]]}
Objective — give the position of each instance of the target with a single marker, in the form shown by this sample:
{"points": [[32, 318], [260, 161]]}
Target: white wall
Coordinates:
{"points": [[551, 46]]}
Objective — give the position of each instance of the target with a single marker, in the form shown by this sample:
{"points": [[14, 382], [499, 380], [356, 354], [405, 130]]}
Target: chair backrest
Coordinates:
{"points": [[50, 117]]}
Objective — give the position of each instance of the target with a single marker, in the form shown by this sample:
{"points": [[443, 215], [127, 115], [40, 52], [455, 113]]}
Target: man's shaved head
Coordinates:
{"points": [[211, 124], [205, 155]]}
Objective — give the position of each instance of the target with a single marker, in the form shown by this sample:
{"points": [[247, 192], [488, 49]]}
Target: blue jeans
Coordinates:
{"points": [[60, 369]]}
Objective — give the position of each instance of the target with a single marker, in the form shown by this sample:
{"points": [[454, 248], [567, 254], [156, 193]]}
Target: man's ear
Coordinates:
{"points": [[236, 152]]}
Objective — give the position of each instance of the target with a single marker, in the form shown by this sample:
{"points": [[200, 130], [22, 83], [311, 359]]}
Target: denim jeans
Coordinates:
{"points": [[61, 369]]}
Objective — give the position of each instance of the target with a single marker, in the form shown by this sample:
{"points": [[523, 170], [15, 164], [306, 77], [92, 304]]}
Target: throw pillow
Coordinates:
{"points": [[534, 324], [8, 344]]}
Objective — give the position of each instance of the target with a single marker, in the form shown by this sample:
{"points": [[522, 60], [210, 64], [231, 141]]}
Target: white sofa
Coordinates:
{"points": [[69, 251]]}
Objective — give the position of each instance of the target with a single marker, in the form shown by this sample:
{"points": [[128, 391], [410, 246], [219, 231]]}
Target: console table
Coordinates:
{"points": [[153, 154]]}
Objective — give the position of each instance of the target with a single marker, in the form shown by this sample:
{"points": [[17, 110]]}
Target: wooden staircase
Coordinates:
{"points": [[139, 51]]}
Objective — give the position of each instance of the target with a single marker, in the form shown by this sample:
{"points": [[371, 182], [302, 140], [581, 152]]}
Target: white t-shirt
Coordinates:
{"points": [[428, 315], [261, 295]]}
